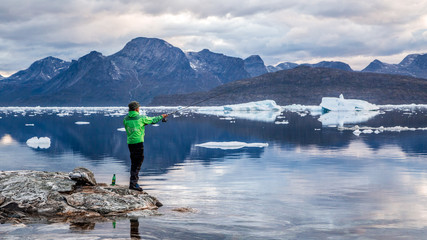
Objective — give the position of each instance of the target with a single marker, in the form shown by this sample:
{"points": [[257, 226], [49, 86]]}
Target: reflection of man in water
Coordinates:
{"points": [[134, 229], [135, 130]]}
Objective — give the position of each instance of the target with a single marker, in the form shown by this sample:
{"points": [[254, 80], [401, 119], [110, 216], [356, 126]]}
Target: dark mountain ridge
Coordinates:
{"points": [[414, 65], [307, 85]]}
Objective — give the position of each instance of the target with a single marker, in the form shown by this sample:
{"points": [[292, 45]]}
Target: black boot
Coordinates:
{"points": [[135, 187]]}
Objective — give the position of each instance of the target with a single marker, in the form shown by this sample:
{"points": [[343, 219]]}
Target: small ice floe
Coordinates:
{"points": [[63, 114], [82, 123], [282, 122], [367, 130], [231, 145], [226, 118], [29, 124], [121, 129], [42, 143], [341, 104]]}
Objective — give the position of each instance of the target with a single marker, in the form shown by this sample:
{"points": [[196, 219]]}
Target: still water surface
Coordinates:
{"points": [[311, 181]]}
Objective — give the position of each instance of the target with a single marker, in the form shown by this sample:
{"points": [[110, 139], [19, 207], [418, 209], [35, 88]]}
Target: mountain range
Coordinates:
{"points": [[307, 85], [150, 67], [414, 65]]}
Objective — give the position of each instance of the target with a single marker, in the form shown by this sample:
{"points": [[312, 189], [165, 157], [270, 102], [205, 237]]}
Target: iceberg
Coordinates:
{"points": [[346, 117], [82, 123], [42, 143], [266, 105], [341, 104], [231, 145], [265, 111]]}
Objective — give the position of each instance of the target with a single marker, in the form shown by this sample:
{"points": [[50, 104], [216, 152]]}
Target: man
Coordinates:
{"points": [[135, 130]]}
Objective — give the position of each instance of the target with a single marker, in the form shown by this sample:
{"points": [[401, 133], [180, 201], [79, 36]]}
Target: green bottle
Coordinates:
{"points": [[113, 181]]}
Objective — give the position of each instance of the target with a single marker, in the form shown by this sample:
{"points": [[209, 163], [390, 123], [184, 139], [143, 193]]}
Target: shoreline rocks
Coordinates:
{"points": [[38, 196]]}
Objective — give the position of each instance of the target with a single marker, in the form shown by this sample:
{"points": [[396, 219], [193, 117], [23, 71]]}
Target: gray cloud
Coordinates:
{"points": [[276, 30]]}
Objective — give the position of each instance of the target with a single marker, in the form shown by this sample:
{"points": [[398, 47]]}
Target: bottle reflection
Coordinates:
{"points": [[134, 228]]}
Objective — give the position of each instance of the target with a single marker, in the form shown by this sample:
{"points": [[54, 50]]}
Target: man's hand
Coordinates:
{"points": [[164, 115]]}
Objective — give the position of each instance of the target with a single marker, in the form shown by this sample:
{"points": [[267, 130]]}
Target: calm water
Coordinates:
{"points": [[313, 181]]}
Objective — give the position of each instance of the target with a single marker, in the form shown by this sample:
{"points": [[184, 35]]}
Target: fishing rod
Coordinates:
{"points": [[194, 104]]}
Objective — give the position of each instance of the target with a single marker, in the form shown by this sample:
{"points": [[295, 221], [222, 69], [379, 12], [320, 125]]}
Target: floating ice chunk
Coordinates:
{"points": [[346, 117], [29, 125], [265, 111], [356, 129], [266, 105], [367, 131], [341, 104], [231, 145], [63, 114], [226, 118], [121, 129], [82, 123], [42, 143]]}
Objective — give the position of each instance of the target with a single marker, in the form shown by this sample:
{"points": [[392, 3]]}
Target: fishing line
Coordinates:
{"points": [[196, 103]]}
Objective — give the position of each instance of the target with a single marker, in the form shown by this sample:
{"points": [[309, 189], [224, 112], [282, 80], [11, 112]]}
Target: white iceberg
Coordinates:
{"points": [[82, 123], [265, 111], [42, 143], [266, 105], [346, 117], [341, 104], [282, 122], [231, 145]]}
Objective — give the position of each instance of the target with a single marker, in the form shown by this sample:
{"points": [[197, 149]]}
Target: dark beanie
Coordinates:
{"points": [[133, 105]]}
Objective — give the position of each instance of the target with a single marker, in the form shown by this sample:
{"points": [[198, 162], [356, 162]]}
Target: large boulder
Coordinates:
{"points": [[83, 176], [28, 196]]}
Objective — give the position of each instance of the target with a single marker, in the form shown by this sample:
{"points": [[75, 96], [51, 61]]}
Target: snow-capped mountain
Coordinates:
{"points": [[412, 65], [146, 68], [218, 67], [40, 71]]}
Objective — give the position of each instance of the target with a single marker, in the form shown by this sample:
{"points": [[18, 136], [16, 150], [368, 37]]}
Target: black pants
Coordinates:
{"points": [[137, 157]]}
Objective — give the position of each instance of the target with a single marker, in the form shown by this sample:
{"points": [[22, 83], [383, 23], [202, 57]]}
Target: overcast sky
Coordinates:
{"points": [[356, 32]]}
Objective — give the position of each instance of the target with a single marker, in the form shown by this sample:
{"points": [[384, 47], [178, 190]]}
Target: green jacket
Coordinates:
{"points": [[135, 126]]}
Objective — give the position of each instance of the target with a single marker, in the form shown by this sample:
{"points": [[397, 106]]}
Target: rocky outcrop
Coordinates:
{"points": [[29, 196]]}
